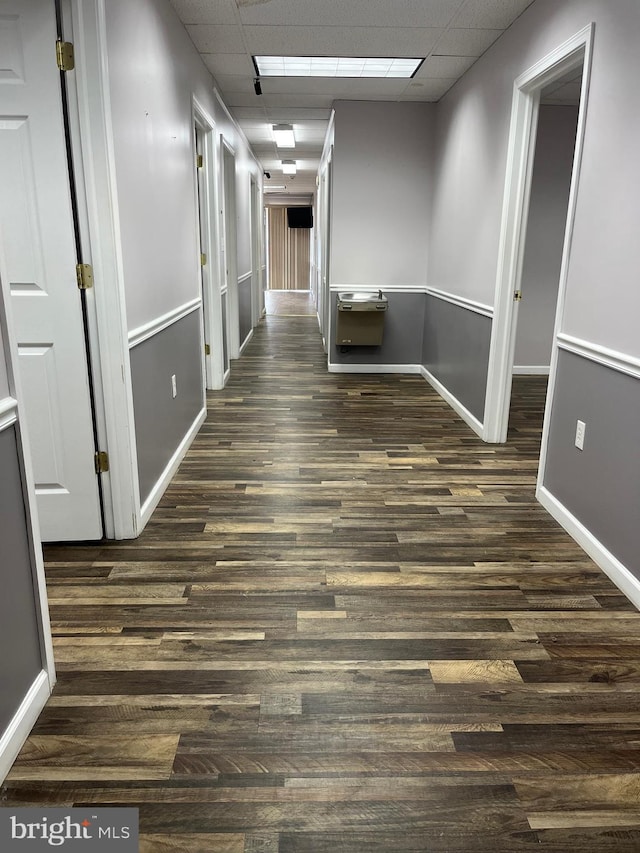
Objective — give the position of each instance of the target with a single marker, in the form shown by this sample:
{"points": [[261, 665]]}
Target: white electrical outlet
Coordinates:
{"points": [[580, 430], [174, 386]]}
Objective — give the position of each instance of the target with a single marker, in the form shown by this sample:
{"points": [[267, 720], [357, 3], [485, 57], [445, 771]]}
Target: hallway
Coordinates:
{"points": [[348, 627]]}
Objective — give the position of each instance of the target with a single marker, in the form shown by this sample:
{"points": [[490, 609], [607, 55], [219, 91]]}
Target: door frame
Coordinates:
{"points": [[93, 154], [12, 414], [576, 51], [209, 243], [256, 254], [230, 244]]}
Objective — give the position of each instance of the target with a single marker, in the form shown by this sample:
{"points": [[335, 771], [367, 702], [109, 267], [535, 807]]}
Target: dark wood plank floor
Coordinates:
{"points": [[348, 627]]}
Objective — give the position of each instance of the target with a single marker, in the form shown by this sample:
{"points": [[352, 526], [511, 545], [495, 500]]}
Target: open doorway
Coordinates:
{"points": [[204, 140], [535, 311], [231, 328], [561, 74]]}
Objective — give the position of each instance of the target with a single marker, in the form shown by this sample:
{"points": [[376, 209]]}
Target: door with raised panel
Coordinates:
{"points": [[37, 234]]}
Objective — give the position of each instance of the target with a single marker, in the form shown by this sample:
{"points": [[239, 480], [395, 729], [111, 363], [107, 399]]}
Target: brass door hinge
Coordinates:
{"points": [[203, 259], [84, 274], [101, 460], [199, 161], [207, 349], [517, 295], [65, 56]]}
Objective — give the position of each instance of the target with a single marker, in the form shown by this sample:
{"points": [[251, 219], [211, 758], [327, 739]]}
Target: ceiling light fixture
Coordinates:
{"points": [[336, 66], [289, 167], [283, 135]]}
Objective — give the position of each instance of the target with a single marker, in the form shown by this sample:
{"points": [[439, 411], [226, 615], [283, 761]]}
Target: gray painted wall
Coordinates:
{"points": [[455, 349], [402, 335], [382, 174], [555, 144], [161, 421], [244, 307], [600, 485], [21, 659]]}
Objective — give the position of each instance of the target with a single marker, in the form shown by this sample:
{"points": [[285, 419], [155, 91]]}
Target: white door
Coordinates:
{"points": [[37, 233]]}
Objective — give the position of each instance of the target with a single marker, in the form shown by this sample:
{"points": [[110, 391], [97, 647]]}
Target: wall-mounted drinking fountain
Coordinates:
{"points": [[361, 318]]}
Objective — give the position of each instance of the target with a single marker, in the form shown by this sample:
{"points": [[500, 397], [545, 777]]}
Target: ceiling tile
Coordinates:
{"points": [[377, 90], [342, 41], [223, 39], [221, 64], [444, 66], [567, 94], [293, 114], [490, 14], [461, 42], [338, 13], [252, 112], [328, 86], [299, 100], [236, 84], [427, 90], [206, 11]]}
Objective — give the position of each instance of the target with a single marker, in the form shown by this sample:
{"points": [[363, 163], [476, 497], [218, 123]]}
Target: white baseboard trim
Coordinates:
{"points": [[160, 487], [531, 370], [610, 565], [470, 419], [23, 721], [246, 341], [373, 368]]}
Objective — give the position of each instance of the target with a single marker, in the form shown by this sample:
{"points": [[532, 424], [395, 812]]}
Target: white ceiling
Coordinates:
{"points": [[565, 91], [450, 34]]}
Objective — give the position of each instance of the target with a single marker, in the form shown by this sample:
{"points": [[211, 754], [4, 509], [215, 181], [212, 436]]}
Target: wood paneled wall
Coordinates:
{"points": [[289, 253]]}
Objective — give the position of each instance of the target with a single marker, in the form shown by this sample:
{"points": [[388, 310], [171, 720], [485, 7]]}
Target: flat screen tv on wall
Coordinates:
{"points": [[300, 217]]}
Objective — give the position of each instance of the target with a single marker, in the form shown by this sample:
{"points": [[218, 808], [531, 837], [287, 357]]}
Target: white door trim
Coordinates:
{"points": [[16, 416], [526, 91], [256, 251], [230, 239], [12, 414], [93, 149], [210, 242]]}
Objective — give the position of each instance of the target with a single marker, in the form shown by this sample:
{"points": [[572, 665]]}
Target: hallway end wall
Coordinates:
{"points": [[382, 177]]}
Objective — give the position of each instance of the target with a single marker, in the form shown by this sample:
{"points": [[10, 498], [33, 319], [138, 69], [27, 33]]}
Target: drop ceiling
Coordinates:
{"points": [[450, 34]]}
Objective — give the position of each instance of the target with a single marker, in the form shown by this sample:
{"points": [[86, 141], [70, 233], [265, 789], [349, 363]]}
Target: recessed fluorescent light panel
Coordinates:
{"points": [[335, 66], [289, 167], [283, 135]]}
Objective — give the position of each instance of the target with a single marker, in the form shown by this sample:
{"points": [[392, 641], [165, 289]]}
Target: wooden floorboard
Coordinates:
{"points": [[348, 627]]}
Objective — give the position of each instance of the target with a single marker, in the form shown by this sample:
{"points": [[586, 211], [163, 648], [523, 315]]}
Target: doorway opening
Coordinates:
{"points": [[204, 143], [564, 71], [230, 307], [534, 312]]}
